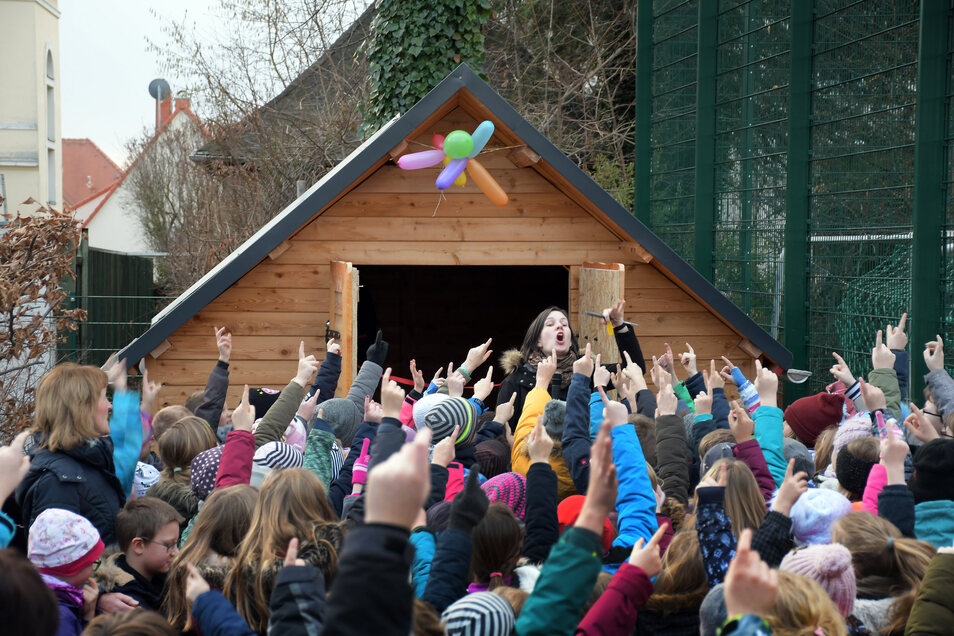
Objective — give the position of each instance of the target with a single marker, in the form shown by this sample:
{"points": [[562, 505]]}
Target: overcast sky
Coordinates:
{"points": [[105, 67]]}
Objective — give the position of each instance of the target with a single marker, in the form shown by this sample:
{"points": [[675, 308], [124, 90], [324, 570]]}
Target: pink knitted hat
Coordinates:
{"points": [[509, 489], [829, 565], [855, 427]]}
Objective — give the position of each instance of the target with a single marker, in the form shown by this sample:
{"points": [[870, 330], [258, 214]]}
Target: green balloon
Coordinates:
{"points": [[458, 144]]}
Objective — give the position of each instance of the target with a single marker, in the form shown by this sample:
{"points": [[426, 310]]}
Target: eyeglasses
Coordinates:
{"points": [[168, 546]]}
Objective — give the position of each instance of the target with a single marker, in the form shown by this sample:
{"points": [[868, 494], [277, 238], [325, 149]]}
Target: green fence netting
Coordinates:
{"points": [[860, 217]]}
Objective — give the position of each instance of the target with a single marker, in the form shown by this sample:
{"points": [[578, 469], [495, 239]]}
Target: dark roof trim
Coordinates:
{"points": [[342, 176]]}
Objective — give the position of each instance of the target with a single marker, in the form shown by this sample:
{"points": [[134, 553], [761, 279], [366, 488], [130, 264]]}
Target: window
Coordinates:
{"points": [[51, 176]]}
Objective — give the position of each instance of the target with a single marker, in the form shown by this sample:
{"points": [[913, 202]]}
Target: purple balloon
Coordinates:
{"points": [[418, 160], [450, 173]]}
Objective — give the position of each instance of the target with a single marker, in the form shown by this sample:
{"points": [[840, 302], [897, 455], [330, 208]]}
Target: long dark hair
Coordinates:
{"points": [[529, 346]]}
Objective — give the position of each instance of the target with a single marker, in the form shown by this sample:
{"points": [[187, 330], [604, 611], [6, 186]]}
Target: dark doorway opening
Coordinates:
{"points": [[434, 314]]}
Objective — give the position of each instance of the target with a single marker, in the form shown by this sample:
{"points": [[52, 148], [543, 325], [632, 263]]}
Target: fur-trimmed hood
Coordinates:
{"points": [[511, 360], [109, 575]]}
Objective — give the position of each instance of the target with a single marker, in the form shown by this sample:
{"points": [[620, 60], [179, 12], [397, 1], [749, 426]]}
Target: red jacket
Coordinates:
{"points": [[615, 611], [235, 467]]}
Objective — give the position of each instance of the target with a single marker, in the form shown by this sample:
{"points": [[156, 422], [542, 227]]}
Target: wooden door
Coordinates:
{"points": [[601, 285], [343, 314]]}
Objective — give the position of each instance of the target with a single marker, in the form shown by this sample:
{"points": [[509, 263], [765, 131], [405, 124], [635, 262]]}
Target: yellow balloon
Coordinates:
{"points": [[461, 180]]}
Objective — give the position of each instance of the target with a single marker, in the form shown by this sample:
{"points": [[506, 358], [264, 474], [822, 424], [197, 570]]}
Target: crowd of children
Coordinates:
{"points": [[562, 511]]}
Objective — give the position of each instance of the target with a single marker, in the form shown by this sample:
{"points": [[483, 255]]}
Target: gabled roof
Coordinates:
{"points": [[465, 86], [115, 186], [87, 171]]}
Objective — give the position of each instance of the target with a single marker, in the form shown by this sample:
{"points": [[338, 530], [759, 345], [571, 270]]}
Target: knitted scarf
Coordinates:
{"points": [[564, 365]]}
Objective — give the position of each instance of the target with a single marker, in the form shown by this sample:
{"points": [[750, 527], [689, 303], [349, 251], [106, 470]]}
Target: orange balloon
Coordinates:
{"points": [[486, 183]]}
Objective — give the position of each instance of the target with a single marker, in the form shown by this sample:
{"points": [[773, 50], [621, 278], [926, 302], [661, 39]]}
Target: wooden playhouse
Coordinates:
{"points": [[372, 246]]}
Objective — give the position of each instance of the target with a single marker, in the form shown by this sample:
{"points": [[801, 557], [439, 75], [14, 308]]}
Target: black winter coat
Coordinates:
{"points": [[81, 480]]}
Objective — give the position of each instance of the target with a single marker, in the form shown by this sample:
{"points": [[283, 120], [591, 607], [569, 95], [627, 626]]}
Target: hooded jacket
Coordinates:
{"points": [[82, 480]]}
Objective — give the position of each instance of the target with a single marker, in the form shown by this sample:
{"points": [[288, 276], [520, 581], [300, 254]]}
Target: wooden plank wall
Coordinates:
{"points": [[397, 217]]}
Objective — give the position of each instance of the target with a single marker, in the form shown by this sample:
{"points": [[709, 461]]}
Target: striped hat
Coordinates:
{"points": [[509, 489], [450, 413], [205, 466], [479, 614], [425, 404], [278, 455]]}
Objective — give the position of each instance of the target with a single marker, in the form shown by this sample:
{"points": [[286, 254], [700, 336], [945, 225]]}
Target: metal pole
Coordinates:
{"points": [[797, 246], [708, 34], [644, 109], [927, 255]]}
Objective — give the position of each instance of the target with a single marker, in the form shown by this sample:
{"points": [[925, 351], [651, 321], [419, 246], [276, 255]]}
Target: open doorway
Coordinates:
{"points": [[435, 313]]}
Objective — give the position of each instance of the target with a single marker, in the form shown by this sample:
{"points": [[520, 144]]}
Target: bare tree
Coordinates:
{"points": [[36, 254]]}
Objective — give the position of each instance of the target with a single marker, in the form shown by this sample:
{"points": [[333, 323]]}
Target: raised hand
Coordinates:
{"points": [[726, 371], [505, 411], [714, 380], [934, 354], [307, 408], [116, 370], [659, 375], [893, 452], [666, 401], [244, 414], [437, 380], [150, 390], [766, 383], [14, 465], [477, 356], [584, 364], [881, 356], [307, 366], [392, 396], [359, 470], [688, 360], [614, 314], [601, 492], [539, 444], [614, 412], [741, 425], [750, 584], [373, 412], [873, 396], [716, 482], [545, 370], [897, 339], [841, 371], [666, 361], [634, 373], [455, 382], [601, 375], [646, 557], [378, 351], [223, 342], [920, 427], [291, 554], [418, 377], [398, 487], [333, 347], [793, 486], [485, 385], [444, 450], [703, 403]]}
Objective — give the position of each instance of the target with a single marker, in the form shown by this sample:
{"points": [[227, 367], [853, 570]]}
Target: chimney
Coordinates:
{"points": [[165, 111], [183, 103]]}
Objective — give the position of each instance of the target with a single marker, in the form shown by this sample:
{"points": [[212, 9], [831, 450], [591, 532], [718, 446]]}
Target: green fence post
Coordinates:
{"points": [[927, 257], [797, 247], [644, 111], [708, 34]]}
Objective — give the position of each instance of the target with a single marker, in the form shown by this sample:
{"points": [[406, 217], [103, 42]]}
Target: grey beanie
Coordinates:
{"points": [[714, 454], [793, 449], [343, 416], [712, 612], [553, 414]]}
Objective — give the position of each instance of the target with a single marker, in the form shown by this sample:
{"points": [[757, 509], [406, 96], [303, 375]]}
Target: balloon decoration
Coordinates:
{"points": [[457, 152]]}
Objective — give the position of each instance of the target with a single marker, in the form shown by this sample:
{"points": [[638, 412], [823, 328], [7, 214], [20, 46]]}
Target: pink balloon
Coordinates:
{"points": [[449, 174], [418, 160]]}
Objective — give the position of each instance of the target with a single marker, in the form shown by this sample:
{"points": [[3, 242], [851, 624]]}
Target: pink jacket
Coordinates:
{"points": [[877, 479], [235, 467]]}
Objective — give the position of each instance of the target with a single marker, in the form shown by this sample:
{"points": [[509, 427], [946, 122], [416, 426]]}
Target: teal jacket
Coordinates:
{"points": [[934, 522], [125, 428], [768, 432], [567, 578]]}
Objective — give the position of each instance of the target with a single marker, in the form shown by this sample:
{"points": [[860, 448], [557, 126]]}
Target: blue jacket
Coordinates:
{"points": [[7, 529], [715, 533], [449, 570], [424, 547], [215, 616], [635, 500], [125, 427], [576, 432], [768, 432]]}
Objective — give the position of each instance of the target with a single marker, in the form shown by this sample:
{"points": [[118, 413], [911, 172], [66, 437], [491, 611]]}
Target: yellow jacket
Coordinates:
{"points": [[536, 399]]}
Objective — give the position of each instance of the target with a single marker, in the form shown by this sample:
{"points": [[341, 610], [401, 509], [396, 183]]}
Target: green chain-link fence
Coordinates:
{"points": [[798, 156]]}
